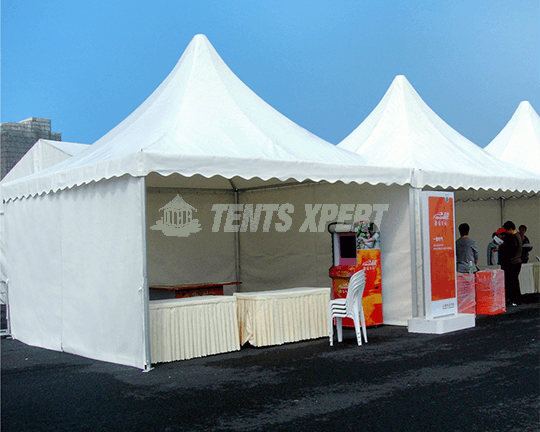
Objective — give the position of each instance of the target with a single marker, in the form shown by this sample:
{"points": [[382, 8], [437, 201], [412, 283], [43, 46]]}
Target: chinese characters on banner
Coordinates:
{"points": [[440, 267]]}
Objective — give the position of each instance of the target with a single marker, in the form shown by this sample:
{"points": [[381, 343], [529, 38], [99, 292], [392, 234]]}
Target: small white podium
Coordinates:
{"points": [[441, 325]]}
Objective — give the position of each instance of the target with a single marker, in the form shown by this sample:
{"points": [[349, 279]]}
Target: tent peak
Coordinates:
{"points": [[200, 39], [519, 141], [525, 106], [401, 78]]}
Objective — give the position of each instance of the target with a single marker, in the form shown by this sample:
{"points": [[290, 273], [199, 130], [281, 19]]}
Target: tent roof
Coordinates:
{"points": [[202, 120], [43, 154], [519, 141], [403, 131]]}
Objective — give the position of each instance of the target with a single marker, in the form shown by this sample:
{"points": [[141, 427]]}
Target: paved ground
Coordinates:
{"points": [[482, 379]]}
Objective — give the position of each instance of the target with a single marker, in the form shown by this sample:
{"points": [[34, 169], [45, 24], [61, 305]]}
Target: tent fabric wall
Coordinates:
{"points": [[486, 215], [526, 211], [484, 218], [32, 246], [271, 259], [275, 260], [204, 256], [77, 268], [43, 154]]}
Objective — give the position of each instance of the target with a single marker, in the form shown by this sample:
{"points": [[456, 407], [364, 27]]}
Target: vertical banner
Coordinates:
{"points": [[439, 254]]}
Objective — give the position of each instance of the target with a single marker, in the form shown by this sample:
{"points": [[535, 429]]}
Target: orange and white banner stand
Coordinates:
{"points": [[439, 268]]}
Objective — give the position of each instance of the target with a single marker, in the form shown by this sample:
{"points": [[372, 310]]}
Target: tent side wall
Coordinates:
{"points": [[485, 216], [275, 260], [526, 211], [76, 267], [32, 258], [194, 257]]}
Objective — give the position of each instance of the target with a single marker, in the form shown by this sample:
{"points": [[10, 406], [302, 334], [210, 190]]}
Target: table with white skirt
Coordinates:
{"points": [[529, 278], [282, 316], [185, 328]]}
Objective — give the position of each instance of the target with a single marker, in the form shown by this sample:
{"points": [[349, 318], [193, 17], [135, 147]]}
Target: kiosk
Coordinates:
{"points": [[355, 247]]}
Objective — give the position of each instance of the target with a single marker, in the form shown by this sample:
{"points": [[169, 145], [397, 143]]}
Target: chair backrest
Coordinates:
{"points": [[357, 283]]}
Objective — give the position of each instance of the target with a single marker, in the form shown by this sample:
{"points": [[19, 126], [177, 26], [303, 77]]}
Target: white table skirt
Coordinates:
{"points": [[281, 316], [186, 328], [529, 278]]}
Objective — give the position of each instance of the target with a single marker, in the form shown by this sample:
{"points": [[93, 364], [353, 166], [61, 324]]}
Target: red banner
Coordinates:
{"points": [[441, 247]]}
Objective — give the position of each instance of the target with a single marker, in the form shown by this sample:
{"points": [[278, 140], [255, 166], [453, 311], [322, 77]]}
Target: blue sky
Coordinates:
{"points": [[324, 64]]}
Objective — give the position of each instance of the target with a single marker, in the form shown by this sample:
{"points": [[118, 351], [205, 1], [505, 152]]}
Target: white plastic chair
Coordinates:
{"points": [[349, 307]]}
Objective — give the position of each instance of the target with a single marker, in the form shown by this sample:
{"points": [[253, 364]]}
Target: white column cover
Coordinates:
{"points": [[76, 260]]}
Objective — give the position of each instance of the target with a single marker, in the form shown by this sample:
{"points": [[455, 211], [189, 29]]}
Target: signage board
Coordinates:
{"points": [[438, 244]]}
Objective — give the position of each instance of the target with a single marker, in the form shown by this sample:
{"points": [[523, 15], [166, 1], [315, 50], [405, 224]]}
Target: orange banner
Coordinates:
{"points": [[441, 247]]}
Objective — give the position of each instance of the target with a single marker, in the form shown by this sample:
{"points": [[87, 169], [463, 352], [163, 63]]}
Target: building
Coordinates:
{"points": [[18, 138]]}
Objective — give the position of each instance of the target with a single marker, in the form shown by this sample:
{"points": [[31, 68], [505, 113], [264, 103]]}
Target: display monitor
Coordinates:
{"points": [[347, 246]]}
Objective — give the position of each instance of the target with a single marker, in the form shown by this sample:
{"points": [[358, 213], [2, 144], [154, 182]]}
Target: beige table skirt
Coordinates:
{"points": [[529, 278], [186, 328], [281, 316]]}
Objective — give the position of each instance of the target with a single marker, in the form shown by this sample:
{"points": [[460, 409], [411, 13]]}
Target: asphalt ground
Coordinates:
{"points": [[482, 379]]}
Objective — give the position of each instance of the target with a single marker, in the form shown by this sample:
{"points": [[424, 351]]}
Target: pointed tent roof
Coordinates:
{"points": [[519, 141], [203, 120], [403, 131], [43, 154]]}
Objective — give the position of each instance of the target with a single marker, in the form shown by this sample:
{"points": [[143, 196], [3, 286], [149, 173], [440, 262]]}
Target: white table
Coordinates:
{"points": [[281, 316], [185, 328], [529, 278]]}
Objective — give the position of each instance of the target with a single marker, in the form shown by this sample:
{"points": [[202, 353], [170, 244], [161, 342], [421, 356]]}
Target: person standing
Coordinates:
{"points": [[527, 247], [493, 247], [510, 261], [466, 251]]}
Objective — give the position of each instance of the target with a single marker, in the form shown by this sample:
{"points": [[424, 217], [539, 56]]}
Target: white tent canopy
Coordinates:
{"points": [[202, 120], [206, 136], [403, 131], [43, 154], [519, 141]]}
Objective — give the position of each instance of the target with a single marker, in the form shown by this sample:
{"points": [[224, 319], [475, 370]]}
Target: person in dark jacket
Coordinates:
{"points": [[527, 247], [510, 261]]}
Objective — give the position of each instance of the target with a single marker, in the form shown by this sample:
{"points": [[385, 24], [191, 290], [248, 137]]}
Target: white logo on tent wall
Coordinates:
{"points": [[244, 217], [177, 219]]}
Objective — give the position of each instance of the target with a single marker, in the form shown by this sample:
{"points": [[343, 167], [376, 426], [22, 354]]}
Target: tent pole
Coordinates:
{"points": [[236, 233], [7, 331], [412, 237], [501, 201], [416, 260], [145, 292], [237, 240]]}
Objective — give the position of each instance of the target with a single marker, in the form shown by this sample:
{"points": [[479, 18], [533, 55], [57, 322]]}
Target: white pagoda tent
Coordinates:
{"points": [[519, 141], [43, 154], [403, 131], [80, 250]]}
